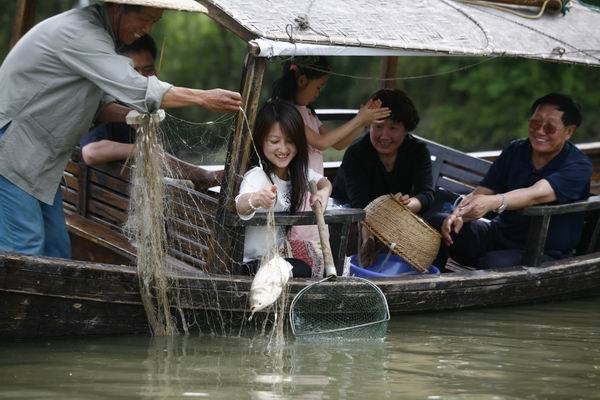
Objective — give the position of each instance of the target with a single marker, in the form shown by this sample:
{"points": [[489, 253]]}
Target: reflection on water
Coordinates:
{"points": [[537, 352]]}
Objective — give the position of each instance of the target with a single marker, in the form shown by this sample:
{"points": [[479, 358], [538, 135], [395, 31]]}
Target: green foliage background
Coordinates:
{"points": [[478, 108]]}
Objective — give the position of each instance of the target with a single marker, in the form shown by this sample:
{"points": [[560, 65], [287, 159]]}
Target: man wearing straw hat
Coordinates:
{"points": [[544, 168], [52, 84]]}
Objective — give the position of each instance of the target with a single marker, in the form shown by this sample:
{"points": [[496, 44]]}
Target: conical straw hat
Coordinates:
{"points": [[179, 5]]}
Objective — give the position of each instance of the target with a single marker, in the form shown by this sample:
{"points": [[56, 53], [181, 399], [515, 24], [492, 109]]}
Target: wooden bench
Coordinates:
{"points": [[454, 173], [96, 200]]}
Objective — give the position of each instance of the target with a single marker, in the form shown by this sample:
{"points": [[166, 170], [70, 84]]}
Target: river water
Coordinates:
{"points": [[549, 351]]}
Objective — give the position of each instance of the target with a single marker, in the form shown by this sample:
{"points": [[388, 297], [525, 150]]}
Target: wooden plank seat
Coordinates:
{"points": [[84, 230], [101, 195], [338, 220]]}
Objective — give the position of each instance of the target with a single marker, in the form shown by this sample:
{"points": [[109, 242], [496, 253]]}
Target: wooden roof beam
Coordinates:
{"points": [[388, 72], [24, 16]]}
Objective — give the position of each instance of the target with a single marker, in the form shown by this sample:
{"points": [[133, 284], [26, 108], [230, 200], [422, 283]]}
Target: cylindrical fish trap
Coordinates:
{"points": [[403, 232]]}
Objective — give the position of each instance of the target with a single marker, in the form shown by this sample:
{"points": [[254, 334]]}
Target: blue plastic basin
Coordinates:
{"points": [[394, 266]]}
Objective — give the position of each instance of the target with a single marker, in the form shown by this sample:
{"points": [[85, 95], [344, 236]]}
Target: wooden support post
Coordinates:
{"points": [[388, 71], [82, 178], [230, 241], [24, 16], [538, 230], [594, 244]]}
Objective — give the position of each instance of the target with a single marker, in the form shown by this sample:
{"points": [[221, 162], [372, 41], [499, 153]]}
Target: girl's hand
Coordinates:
{"points": [[322, 194], [322, 197], [372, 112], [265, 198]]}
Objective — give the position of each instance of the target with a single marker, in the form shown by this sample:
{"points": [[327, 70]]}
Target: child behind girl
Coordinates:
{"points": [[301, 82], [283, 184]]}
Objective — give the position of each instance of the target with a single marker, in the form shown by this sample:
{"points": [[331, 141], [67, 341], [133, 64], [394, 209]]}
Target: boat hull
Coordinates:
{"points": [[42, 297]]}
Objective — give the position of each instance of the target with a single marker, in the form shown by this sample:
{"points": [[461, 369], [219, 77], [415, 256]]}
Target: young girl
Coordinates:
{"points": [[283, 181], [301, 82]]}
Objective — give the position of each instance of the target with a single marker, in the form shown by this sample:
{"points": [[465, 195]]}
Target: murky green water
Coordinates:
{"points": [[547, 351]]}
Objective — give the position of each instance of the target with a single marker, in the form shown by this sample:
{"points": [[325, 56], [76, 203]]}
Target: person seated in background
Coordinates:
{"points": [[115, 141], [544, 168], [386, 160]]}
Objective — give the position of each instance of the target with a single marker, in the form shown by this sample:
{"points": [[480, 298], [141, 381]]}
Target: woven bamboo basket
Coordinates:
{"points": [[403, 232]]}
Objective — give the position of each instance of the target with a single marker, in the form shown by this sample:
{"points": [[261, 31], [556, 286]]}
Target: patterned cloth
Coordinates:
{"points": [[308, 251]]}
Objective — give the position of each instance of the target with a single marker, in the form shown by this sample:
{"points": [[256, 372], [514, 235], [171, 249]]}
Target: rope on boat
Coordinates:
{"points": [[557, 5]]}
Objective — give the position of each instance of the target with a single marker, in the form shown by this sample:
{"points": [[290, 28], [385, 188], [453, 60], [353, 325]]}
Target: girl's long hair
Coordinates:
{"points": [[286, 86], [292, 126]]}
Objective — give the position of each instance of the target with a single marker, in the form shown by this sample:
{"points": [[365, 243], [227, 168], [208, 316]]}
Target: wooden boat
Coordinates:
{"points": [[98, 293]]}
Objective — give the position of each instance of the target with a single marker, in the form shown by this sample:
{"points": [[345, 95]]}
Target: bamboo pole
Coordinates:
{"points": [[24, 15]]}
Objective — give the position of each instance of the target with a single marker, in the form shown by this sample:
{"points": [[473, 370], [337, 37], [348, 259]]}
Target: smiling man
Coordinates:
{"points": [[52, 84], [544, 168]]}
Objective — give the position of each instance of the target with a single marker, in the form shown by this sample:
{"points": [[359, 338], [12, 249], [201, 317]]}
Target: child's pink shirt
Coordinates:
{"points": [[315, 156], [315, 162]]}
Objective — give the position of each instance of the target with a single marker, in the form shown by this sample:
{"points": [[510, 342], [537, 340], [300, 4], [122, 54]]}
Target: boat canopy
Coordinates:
{"points": [[409, 27]]}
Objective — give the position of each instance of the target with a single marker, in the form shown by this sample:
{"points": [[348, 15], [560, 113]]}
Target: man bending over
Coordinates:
{"points": [[114, 141]]}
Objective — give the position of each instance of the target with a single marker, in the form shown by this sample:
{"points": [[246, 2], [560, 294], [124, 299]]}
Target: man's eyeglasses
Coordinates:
{"points": [[548, 128]]}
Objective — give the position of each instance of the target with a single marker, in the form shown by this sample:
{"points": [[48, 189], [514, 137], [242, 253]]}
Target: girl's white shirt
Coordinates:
{"points": [[255, 243]]}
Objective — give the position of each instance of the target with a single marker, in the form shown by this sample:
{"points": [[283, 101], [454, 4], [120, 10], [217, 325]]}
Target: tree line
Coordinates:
{"points": [[480, 107]]}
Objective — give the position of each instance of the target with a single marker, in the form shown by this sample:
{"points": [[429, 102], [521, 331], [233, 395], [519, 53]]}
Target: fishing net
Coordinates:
{"points": [[189, 277], [186, 238], [344, 307], [146, 225], [171, 222], [189, 252]]}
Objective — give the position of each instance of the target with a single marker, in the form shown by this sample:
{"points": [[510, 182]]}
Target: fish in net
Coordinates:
{"points": [[175, 227]]}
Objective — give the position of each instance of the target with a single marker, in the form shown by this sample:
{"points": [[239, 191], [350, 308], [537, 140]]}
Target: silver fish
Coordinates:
{"points": [[268, 283]]}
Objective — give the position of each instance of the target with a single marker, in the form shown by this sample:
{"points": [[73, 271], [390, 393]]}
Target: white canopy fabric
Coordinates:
{"points": [[397, 27]]}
